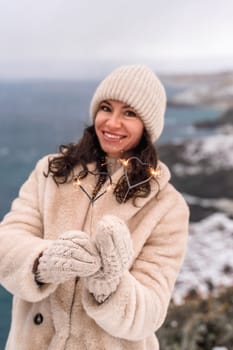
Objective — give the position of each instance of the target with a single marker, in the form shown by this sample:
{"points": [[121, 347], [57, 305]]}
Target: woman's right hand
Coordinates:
{"points": [[71, 255]]}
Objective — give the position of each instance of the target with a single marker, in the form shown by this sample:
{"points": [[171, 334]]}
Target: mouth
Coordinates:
{"points": [[112, 137]]}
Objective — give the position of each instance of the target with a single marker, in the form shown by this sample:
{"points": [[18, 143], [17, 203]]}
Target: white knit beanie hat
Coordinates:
{"points": [[140, 88]]}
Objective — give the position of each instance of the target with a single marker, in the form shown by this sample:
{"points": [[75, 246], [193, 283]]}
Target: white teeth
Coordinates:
{"points": [[111, 136]]}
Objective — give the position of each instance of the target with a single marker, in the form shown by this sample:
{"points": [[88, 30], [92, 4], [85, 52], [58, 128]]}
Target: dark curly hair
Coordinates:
{"points": [[88, 150]]}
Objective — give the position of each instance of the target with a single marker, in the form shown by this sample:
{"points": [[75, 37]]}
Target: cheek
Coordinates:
{"points": [[97, 122], [99, 119], [139, 127]]}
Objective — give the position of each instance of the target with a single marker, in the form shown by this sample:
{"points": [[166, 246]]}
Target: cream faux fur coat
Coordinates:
{"points": [[67, 317]]}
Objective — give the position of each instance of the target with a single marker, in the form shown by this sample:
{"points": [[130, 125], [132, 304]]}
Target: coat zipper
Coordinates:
{"points": [[71, 308]]}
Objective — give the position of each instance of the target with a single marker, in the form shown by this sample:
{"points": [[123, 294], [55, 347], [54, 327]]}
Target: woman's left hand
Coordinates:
{"points": [[113, 241]]}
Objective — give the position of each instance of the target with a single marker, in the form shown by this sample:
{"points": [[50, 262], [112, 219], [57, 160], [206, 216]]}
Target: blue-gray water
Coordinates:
{"points": [[36, 117]]}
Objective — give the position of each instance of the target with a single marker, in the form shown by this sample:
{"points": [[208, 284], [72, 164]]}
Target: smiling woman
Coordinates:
{"points": [[117, 127], [97, 230]]}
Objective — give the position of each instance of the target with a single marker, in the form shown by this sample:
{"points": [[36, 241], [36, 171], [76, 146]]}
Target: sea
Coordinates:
{"points": [[36, 116]]}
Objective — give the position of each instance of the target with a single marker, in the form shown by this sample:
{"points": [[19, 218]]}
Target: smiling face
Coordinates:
{"points": [[118, 128]]}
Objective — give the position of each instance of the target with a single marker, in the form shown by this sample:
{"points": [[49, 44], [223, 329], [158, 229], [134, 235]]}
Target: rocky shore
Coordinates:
{"points": [[202, 168], [199, 324], [200, 315], [214, 90]]}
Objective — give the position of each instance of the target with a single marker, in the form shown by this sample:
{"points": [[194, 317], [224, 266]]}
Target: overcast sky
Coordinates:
{"points": [[74, 38]]}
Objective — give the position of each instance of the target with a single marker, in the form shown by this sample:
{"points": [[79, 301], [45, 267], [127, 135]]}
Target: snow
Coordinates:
{"points": [[215, 93], [208, 265], [215, 150]]}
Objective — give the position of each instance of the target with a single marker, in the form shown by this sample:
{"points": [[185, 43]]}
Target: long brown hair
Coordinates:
{"points": [[88, 150]]}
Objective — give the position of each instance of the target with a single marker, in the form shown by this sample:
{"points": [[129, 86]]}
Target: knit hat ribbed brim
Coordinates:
{"points": [[140, 88]]}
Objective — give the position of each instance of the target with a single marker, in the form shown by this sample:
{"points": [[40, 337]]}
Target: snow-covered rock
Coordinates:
{"points": [[216, 92], [208, 265], [206, 154]]}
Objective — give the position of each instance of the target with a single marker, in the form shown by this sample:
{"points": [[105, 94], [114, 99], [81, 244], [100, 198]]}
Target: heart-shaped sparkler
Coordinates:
{"points": [[154, 173], [77, 183]]}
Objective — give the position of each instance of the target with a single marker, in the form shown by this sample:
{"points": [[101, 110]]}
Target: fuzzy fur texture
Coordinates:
{"points": [[114, 244], [72, 318]]}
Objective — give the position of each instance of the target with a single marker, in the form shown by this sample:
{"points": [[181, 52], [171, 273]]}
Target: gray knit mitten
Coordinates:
{"points": [[71, 255], [114, 244]]}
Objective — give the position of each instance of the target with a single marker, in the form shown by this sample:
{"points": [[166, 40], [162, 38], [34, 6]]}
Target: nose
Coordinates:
{"points": [[115, 120]]}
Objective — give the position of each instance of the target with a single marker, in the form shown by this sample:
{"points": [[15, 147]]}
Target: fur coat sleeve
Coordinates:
{"points": [[21, 242], [139, 305]]}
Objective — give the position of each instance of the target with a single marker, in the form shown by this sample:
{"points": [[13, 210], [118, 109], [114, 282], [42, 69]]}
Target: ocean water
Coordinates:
{"points": [[37, 116]]}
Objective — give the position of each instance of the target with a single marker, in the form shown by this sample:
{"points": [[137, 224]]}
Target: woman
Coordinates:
{"points": [[93, 244]]}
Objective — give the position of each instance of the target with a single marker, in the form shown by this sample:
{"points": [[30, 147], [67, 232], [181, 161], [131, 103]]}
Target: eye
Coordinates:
{"points": [[104, 107], [130, 113]]}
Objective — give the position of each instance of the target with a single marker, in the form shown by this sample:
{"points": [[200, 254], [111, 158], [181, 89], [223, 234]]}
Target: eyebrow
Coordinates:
{"points": [[105, 101], [124, 106]]}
